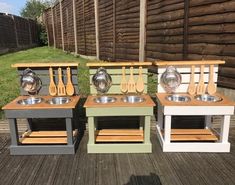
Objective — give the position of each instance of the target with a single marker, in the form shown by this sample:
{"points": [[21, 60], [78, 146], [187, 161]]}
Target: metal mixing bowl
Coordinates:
{"points": [[30, 101], [133, 99], [59, 100], [178, 98], [208, 98], [105, 99]]}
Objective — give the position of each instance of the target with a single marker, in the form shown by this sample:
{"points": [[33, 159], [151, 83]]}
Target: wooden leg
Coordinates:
{"points": [[224, 131], [142, 120], [14, 132], [167, 129], [69, 130], [208, 121], [147, 123], [160, 116], [91, 130]]}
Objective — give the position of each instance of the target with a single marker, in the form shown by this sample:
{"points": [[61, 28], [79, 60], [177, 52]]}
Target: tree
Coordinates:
{"points": [[33, 9]]}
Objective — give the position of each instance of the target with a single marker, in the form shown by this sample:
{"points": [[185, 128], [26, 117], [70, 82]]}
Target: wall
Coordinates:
{"points": [[17, 33], [160, 29]]}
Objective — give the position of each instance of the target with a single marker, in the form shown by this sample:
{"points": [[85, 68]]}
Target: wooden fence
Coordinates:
{"points": [[17, 33], [119, 30]]}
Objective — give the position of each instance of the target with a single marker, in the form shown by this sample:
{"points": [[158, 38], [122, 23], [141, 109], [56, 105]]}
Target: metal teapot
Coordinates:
{"points": [[102, 80], [30, 82], [170, 79]]}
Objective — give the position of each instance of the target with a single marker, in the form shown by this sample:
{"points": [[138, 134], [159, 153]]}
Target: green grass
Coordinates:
{"points": [[9, 80]]}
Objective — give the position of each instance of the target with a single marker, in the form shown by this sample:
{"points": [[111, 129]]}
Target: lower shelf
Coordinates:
{"points": [[45, 137], [119, 135], [192, 135]]}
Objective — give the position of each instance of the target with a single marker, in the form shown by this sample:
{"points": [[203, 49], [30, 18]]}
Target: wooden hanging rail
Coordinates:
{"points": [[192, 62], [110, 64], [45, 65]]}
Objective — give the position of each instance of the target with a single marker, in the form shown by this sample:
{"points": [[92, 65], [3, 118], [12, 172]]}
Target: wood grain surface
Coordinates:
{"points": [[109, 64], [191, 62], [64, 64]]}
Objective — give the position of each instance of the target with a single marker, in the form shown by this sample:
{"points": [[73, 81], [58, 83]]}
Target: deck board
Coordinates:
{"points": [[118, 169]]}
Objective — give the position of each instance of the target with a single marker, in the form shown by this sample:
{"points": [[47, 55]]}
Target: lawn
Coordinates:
{"points": [[9, 80]]}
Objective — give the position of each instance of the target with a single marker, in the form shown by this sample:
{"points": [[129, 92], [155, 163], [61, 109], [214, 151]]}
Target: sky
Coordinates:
{"points": [[12, 6]]}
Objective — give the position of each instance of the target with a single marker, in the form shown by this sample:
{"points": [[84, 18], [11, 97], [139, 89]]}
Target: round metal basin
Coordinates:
{"points": [[133, 99], [30, 101], [208, 98], [178, 98], [105, 99], [59, 100]]}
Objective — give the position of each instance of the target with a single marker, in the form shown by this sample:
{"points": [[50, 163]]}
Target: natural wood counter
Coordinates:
{"points": [[119, 103], [225, 101], [43, 105]]}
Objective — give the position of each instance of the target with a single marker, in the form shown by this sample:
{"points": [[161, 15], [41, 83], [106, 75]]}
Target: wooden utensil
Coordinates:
{"points": [[131, 82], [201, 86], [123, 85], [211, 88], [60, 86], [192, 86], [52, 86], [140, 82], [69, 85]]}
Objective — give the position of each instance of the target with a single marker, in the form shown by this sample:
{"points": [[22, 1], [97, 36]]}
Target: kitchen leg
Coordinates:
{"points": [[147, 123], [91, 130], [69, 130], [224, 131], [167, 129], [14, 132]]}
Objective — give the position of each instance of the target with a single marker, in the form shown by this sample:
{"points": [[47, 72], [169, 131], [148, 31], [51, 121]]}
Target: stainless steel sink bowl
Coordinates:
{"points": [[105, 99], [133, 99], [178, 98], [30, 101], [208, 98], [59, 100]]}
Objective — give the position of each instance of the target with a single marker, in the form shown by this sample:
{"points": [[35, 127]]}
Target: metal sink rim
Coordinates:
{"points": [[104, 99], [178, 98], [32, 100], [133, 99], [205, 97], [59, 100]]}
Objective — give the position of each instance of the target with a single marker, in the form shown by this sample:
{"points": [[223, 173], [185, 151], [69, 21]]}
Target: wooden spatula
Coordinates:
{"points": [[60, 86], [123, 85], [131, 82], [69, 85], [201, 86], [211, 88], [52, 86], [192, 86], [140, 82]]}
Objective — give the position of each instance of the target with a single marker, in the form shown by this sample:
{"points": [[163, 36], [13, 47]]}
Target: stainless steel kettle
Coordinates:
{"points": [[30, 82], [102, 80]]}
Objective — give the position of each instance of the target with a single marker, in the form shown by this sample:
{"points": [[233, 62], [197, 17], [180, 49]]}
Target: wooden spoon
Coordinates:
{"points": [[60, 86], [140, 82], [123, 85], [192, 86], [52, 86], [131, 82], [201, 86], [69, 86], [211, 88]]}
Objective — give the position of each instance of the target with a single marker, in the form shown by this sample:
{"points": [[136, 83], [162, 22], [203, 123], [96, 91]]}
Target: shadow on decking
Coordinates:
{"points": [[152, 179]]}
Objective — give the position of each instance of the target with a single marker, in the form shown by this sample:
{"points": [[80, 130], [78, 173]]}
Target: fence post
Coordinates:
{"points": [[53, 26], [61, 23], [97, 29], [114, 30], [142, 36], [75, 27], [15, 30], [185, 36], [45, 20]]}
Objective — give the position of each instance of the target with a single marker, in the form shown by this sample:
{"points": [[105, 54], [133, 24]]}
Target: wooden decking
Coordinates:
{"points": [[118, 169]]}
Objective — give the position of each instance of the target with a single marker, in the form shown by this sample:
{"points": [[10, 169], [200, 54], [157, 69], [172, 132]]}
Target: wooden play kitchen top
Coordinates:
{"points": [[119, 103], [43, 105]]}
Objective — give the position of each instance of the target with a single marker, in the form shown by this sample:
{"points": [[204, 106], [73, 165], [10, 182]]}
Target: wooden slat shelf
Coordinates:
{"points": [[192, 135], [45, 137], [183, 63], [119, 135], [116, 64], [45, 65]]}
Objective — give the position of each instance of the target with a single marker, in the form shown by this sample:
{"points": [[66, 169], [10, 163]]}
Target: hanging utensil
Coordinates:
{"points": [[123, 85], [69, 85], [60, 86], [140, 82], [201, 85], [131, 82], [52, 86], [211, 88], [192, 86]]}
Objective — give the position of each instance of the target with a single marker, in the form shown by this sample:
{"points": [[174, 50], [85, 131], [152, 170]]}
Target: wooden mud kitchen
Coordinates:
{"points": [[195, 96], [47, 91], [123, 96]]}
